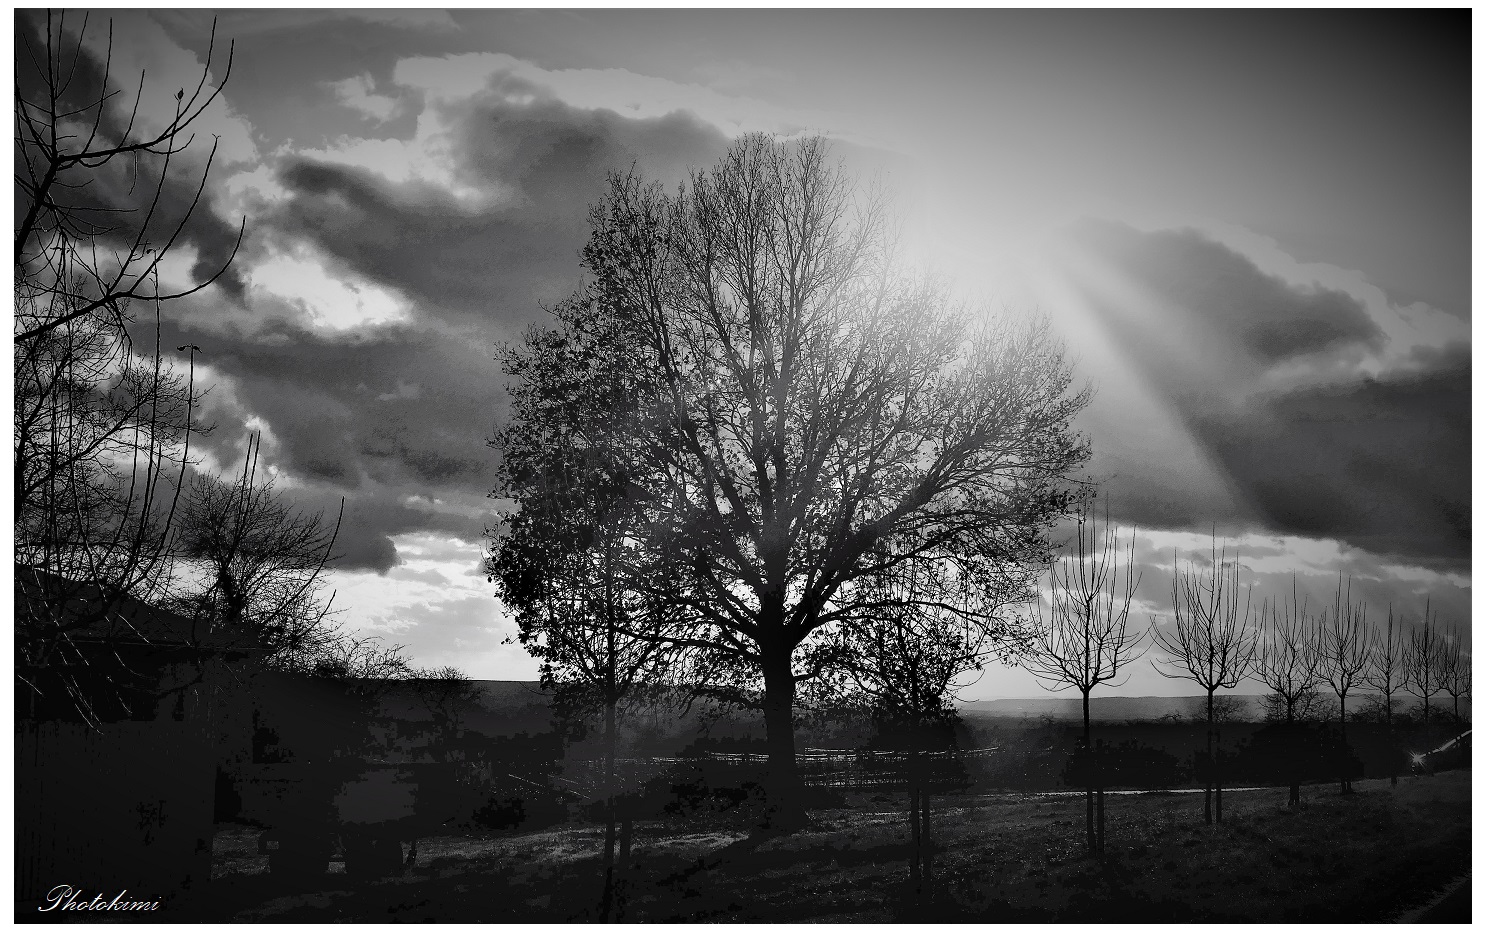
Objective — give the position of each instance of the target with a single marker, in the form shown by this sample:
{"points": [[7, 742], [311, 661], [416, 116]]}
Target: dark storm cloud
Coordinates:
{"points": [[497, 263], [1258, 315], [143, 198], [1383, 464], [1380, 463], [397, 416]]}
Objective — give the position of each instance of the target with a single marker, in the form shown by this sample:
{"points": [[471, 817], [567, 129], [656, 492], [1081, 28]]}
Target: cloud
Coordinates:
{"points": [[1239, 396], [125, 200], [617, 90], [356, 92]]}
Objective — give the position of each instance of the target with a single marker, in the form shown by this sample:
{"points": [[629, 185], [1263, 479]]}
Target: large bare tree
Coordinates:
{"points": [[1211, 643], [805, 403], [1086, 639], [1289, 663], [102, 421]]}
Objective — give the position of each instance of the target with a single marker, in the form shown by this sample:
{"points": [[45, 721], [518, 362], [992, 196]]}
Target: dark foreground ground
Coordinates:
{"points": [[1377, 855]]}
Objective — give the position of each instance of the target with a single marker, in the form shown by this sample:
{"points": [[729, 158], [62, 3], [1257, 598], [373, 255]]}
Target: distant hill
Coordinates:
{"points": [[1105, 709]]}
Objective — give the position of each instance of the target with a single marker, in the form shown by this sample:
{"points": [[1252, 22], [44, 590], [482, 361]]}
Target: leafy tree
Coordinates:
{"points": [[1210, 643], [570, 562], [800, 404], [1086, 640]]}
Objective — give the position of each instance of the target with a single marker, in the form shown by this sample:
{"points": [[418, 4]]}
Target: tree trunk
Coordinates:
{"points": [[1342, 713], [785, 809], [1087, 754], [926, 840], [1208, 768], [916, 881], [1100, 799], [610, 741], [627, 832], [1218, 780], [1389, 723], [1294, 798]]}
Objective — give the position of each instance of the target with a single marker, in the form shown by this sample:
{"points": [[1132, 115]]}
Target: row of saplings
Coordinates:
{"points": [[1276, 754]]}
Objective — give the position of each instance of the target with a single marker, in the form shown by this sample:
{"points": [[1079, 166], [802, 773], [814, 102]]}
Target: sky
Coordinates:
{"points": [[1251, 227]]}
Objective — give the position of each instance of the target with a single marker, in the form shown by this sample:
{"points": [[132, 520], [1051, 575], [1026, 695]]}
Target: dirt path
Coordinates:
{"points": [[1453, 906]]}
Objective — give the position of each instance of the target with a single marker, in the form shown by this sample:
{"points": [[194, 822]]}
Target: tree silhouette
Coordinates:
{"points": [[571, 561], [1423, 668], [904, 664], [255, 566], [1386, 674], [1086, 639], [1456, 671], [1345, 650], [799, 403], [102, 426], [1211, 643]]}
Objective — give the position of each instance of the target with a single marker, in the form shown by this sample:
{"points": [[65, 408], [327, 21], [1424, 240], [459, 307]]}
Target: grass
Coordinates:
{"points": [[1365, 857]]}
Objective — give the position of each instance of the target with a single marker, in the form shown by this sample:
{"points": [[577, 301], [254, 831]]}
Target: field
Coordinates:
{"points": [[1006, 857]]}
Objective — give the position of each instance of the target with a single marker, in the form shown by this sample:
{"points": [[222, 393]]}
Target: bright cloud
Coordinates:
{"points": [[329, 301], [356, 92]]}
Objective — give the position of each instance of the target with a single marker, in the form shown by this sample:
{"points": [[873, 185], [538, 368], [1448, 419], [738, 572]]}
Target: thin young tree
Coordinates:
{"points": [[102, 422], [906, 664], [1086, 639], [1211, 643], [1345, 650], [1289, 663], [570, 562], [1423, 673], [802, 402], [1456, 667], [1386, 674]]}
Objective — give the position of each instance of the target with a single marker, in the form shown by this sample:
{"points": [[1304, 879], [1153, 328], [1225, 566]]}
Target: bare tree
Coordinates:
{"points": [[77, 258], [102, 427], [1210, 643], [1386, 674], [1086, 639], [1289, 662], [255, 565], [906, 664], [1345, 650], [1456, 671], [1423, 675], [801, 403], [447, 694]]}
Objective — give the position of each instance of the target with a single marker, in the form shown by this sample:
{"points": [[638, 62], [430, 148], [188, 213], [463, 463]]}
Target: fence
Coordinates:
{"points": [[840, 769]]}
